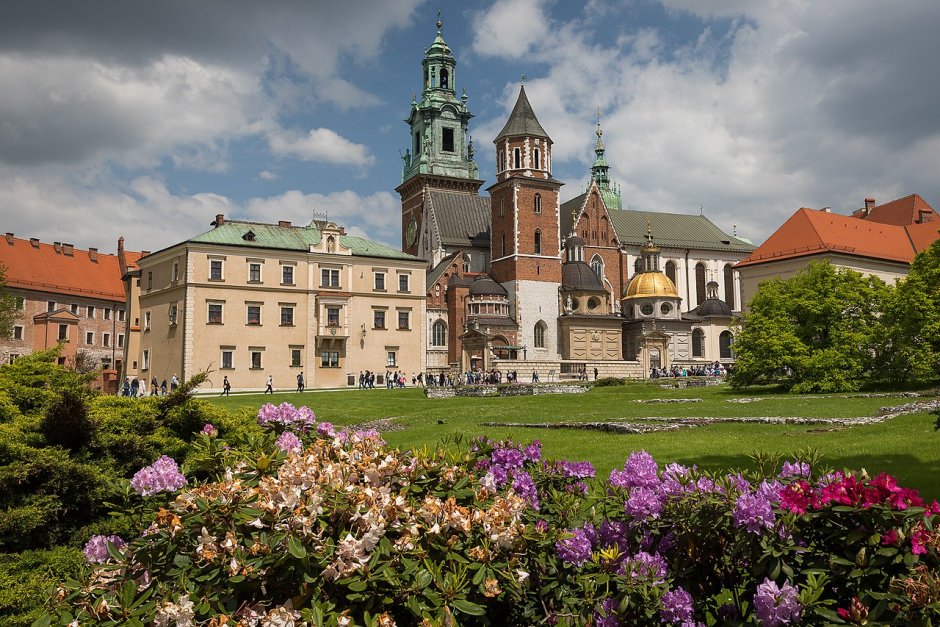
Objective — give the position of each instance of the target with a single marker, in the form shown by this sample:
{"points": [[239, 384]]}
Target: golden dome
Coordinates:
{"points": [[650, 284]]}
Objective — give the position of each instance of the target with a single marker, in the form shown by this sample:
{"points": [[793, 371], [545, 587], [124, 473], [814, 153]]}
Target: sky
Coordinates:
{"points": [[145, 119]]}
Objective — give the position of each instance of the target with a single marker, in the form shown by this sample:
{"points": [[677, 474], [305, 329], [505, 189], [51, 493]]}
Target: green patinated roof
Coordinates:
{"points": [[301, 238], [522, 120]]}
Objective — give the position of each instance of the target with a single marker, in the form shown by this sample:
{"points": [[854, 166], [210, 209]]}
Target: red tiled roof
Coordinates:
{"points": [[812, 232], [900, 212], [42, 267]]}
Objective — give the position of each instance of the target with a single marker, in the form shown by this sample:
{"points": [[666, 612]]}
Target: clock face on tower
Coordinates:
{"points": [[411, 232]]}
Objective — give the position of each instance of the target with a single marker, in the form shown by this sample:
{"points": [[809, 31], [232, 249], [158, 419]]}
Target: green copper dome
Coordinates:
{"points": [[600, 172]]}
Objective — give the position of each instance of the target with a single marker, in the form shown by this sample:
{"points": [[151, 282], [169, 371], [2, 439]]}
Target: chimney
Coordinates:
{"points": [[120, 245], [219, 220], [34, 242], [10, 239], [57, 246], [869, 205], [93, 254], [283, 222], [67, 249]]}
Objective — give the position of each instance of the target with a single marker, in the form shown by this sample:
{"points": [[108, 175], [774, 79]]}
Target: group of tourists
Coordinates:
{"points": [[715, 369], [137, 388]]}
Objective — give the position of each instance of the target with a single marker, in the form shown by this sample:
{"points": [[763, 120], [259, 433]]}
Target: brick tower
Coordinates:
{"points": [[525, 235]]}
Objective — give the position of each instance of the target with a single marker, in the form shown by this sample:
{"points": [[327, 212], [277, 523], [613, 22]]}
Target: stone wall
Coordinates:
{"points": [[506, 390]]}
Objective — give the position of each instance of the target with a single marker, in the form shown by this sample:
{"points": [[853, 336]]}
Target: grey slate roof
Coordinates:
{"points": [[577, 276], [522, 120], [670, 230], [461, 219], [435, 273]]}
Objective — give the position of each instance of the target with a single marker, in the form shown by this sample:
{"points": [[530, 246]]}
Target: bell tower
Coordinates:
{"points": [[441, 153], [525, 233]]}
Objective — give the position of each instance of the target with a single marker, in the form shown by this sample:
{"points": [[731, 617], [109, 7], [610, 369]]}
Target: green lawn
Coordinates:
{"points": [[906, 447]]}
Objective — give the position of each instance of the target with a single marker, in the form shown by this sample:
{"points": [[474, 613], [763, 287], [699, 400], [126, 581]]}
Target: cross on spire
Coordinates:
{"points": [[522, 79], [440, 22]]}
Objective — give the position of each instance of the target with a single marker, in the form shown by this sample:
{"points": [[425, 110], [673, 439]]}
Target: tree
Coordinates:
{"points": [[814, 332], [910, 340], [7, 306]]}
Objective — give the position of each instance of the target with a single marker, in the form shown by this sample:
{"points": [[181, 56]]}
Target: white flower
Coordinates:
{"points": [[521, 575]]}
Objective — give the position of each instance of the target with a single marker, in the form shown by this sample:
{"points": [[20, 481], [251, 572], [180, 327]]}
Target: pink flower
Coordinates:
{"points": [[890, 538], [798, 497], [918, 538]]}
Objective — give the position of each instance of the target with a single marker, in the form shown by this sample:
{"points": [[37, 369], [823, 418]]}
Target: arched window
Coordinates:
{"points": [[638, 265], [540, 334], [330, 244], [725, 341], [538, 203], [439, 334], [671, 272], [700, 283], [597, 265], [516, 158], [538, 242], [444, 79], [535, 155], [729, 286], [698, 343]]}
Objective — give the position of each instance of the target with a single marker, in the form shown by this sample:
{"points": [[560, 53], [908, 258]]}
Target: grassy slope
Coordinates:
{"points": [[906, 446]]}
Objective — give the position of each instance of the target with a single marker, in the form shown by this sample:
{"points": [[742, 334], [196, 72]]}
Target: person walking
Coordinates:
{"points": [[174, 382], [163, 388], [270, 388], [154, 387], [300, 382], [226, 386]]}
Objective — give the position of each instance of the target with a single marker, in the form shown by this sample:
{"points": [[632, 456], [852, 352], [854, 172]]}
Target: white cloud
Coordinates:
{"points": [[511, 28], [783, 105], [319, 144], [267, 175]]}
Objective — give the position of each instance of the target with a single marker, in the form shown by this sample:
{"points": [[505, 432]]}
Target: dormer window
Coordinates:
{"points": [[331, 244], [249, 236]]}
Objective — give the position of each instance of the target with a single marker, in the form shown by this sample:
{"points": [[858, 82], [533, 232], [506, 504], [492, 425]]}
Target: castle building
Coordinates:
{"points": [[68, 297], [877, 240], [248, 300], [520, 280]]}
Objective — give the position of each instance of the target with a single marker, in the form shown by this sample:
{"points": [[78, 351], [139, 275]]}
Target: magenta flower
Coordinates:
{"points": [[209, 430], [795, 469], [96, 549], [606, 613], [161, 476], [646, 566]]}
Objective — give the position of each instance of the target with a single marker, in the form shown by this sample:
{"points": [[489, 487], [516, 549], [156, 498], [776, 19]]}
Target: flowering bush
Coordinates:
{"points": [[309, 525]]}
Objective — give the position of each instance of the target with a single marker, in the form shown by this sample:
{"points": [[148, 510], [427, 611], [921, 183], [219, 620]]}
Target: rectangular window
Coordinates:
{"points": [[329, 359], [255, 360], [391, 359], [447, 140], [378, 319], [403, 283], [380, 281], [145, 362], [332, 316], [106, 339], [175, 272], [254, 273], [227, 360], [64, 332], [89, 337], [329, 277], [120, 315], [146, 321], [17, 332], [19, 302], [90, 311], [50, 306], [120, 340], [215, 313], [254, 315], [107, 313], [74, 309], [106, 362], [295, 357], [215, 269], [150, 280], [287, 316], [403, 320], [174, 313], [287, 275], [12, 358]]}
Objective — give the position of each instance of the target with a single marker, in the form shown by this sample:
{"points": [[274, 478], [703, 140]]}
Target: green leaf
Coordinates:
{"points": [[296, 548], [468, 607]]}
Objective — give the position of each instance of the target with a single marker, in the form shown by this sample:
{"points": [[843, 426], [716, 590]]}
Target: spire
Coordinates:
{"points": [[522, 120], [650, 251], [600, 171]]}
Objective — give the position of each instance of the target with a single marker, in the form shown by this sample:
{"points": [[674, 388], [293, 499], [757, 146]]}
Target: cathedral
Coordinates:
{"points": [[518, 280]]}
